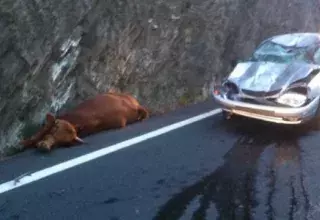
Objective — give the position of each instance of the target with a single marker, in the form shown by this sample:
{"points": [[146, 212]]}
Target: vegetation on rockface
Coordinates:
{"points": [[166, 54]]}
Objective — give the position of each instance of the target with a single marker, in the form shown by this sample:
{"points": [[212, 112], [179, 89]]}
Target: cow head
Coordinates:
{"points": [[54, 132]]}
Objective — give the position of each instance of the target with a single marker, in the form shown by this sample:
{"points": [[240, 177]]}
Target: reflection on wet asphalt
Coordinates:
{"points": [[212, 169], [264, 176]]}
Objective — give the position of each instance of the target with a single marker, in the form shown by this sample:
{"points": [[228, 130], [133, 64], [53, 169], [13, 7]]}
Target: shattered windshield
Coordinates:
{"points": [[273, 52]]}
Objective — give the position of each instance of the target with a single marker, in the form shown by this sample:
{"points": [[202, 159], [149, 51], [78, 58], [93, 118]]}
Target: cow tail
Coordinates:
{"points": [[142, 113]]}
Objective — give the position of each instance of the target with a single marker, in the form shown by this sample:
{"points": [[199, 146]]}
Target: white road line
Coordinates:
{"points": [[32, 177]]}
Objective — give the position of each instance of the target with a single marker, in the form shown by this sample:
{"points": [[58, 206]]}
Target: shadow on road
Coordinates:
{"points": [[234, 192]]}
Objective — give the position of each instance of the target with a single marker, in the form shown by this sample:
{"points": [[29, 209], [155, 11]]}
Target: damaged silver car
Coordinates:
{"points": [[279, 83]]}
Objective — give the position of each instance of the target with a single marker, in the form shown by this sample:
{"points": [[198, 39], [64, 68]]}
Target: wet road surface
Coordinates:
{"points": [[212, 169]]}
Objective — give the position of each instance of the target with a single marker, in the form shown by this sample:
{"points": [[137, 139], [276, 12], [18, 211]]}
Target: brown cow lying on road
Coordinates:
{"points": [[105, 111]]}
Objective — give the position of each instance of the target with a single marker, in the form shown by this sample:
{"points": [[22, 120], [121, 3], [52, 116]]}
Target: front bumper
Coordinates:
{"points": [[281, 115]]}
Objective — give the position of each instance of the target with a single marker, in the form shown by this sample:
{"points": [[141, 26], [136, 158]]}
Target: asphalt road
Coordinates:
{"points": [[212, 169]]}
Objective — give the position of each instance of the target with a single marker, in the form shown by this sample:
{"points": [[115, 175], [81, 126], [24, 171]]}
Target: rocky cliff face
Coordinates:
{"points": [[166, 53]]}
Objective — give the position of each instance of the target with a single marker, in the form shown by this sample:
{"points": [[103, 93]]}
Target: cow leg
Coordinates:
{"points": [[122, 122], [117, 122]]}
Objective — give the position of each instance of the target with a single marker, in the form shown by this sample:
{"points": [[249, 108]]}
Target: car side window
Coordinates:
{"points": [[316, 56]]}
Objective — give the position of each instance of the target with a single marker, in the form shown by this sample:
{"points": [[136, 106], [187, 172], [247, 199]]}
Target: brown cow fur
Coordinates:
{"points": [[105, 111]]}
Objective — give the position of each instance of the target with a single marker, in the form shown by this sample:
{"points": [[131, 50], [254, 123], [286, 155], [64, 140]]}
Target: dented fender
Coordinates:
{"points": [[314, 85]]}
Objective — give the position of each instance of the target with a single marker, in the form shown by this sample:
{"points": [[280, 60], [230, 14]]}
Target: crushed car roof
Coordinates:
{"points": [[296, 39]]}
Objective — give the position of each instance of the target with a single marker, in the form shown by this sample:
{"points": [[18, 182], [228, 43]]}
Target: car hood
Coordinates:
{"points": [[268, 76]]}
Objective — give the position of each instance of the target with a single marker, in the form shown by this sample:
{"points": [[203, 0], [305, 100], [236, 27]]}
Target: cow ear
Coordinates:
{"points": [[50, 118], [40, 134]]}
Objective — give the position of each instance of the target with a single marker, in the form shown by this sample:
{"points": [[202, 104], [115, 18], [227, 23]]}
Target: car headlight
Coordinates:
{"points": [[292, 99]]}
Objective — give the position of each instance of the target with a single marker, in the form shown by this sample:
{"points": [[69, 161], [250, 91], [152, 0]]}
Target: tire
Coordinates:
{"points": [[316, 119], [317, 115], [314, 122], [226, 115]]}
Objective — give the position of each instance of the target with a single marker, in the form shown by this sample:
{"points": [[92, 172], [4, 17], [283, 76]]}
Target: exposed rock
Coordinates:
{"points": [[166, 53]]}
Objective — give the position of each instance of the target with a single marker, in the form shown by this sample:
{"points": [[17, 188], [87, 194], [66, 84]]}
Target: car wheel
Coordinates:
{"points": [[317, 115], [226, 115], [315, 121]]}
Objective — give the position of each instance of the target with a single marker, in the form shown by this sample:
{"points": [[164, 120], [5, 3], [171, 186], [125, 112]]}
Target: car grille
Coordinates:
{"points": [[248, 100], [269, 102], [260, 94]]}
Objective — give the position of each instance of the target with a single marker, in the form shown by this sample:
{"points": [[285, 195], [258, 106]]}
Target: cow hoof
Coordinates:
{"points": [[43, 148]]}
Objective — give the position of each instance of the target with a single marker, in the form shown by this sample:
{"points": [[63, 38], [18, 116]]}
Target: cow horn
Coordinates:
{"points": [[79, 140]]}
